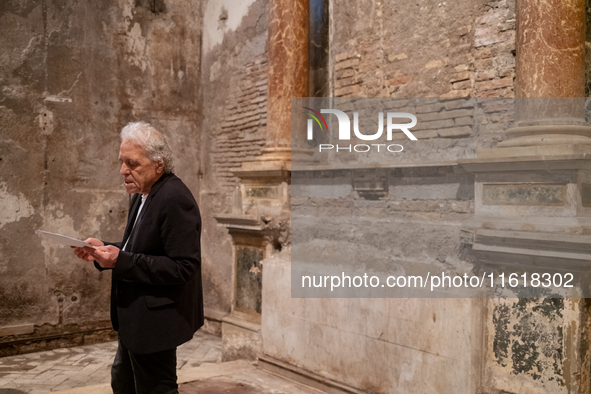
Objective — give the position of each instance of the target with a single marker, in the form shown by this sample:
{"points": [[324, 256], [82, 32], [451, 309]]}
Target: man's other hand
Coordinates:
{"points": [[81, 253], [105, 256]]}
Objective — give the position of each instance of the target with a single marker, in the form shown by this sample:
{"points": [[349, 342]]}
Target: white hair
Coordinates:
{"points": [[153, 141]]}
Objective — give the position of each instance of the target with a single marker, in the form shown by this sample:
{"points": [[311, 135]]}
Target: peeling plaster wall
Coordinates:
{"points": [[234, 89], [220, 18], [530, 344], [71, 75]]}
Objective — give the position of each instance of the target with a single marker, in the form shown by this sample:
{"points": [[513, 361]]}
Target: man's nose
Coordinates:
{"points": [[124, 169]]}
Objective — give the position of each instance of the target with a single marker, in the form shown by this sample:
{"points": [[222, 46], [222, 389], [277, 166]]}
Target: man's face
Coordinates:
{"points": [[139, 172]]}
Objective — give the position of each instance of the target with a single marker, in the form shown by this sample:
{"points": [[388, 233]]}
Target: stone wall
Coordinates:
{"points": [[72, 74], [410, 345], [376, 345]]}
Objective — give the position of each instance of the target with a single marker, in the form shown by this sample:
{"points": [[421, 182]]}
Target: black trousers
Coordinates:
{"points": [[153, 373]]}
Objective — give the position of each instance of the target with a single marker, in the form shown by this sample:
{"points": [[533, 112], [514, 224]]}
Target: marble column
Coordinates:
{"points": [[288, 72], [550, 74], [550, 48]]}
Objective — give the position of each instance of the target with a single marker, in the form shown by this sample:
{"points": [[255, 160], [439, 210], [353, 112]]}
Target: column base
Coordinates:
{"points": [[542, 140]]}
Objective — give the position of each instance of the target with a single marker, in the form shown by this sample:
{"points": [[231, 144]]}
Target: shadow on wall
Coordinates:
{"points": [[11, 391]]}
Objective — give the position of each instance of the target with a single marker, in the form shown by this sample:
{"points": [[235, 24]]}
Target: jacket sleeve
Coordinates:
{"points": [[180, 228]]}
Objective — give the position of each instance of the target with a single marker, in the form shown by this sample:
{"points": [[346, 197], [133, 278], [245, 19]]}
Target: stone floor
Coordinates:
{"points": [[86, 370], [62, 369], [238, 377]]}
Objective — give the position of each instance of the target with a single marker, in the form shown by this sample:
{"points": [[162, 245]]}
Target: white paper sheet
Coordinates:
{"points": [[63, 240]]}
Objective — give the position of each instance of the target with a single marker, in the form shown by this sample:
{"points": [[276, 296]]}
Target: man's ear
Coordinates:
{"points": [[160, 167]]}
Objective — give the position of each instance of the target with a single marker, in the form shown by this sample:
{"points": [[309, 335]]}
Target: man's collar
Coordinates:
{"points": [[155, 187], [158, 184]]}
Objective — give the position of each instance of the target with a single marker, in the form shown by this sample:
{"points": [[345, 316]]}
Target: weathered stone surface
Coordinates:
{"points": [[586, 195], [71, 75], [249, 275], [524, 194]]}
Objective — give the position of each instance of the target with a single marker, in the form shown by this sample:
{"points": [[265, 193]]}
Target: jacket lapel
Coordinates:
{"points": [[135, 204], [155, 187]]}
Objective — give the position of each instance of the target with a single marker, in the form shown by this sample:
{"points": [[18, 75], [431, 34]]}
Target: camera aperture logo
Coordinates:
{"points": [[345, 130]]}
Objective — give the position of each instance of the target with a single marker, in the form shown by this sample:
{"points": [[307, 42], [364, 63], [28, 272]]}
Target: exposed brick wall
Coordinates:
{"points": [[348, 81], [472, 56], [455, 117], [447, 119], [494, 52], [448, 49], [489, 51], [241, 133]]}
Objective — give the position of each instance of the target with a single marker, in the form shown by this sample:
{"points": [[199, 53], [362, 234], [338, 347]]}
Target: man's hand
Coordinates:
{"points": [[81, 253], [105, 256]]}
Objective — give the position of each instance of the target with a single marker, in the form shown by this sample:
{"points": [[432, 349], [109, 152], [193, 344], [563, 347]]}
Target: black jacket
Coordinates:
{"points": [[156, 293]]}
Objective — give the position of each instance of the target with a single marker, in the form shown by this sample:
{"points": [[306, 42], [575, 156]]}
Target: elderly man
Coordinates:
{"points": [[156, 295]]}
